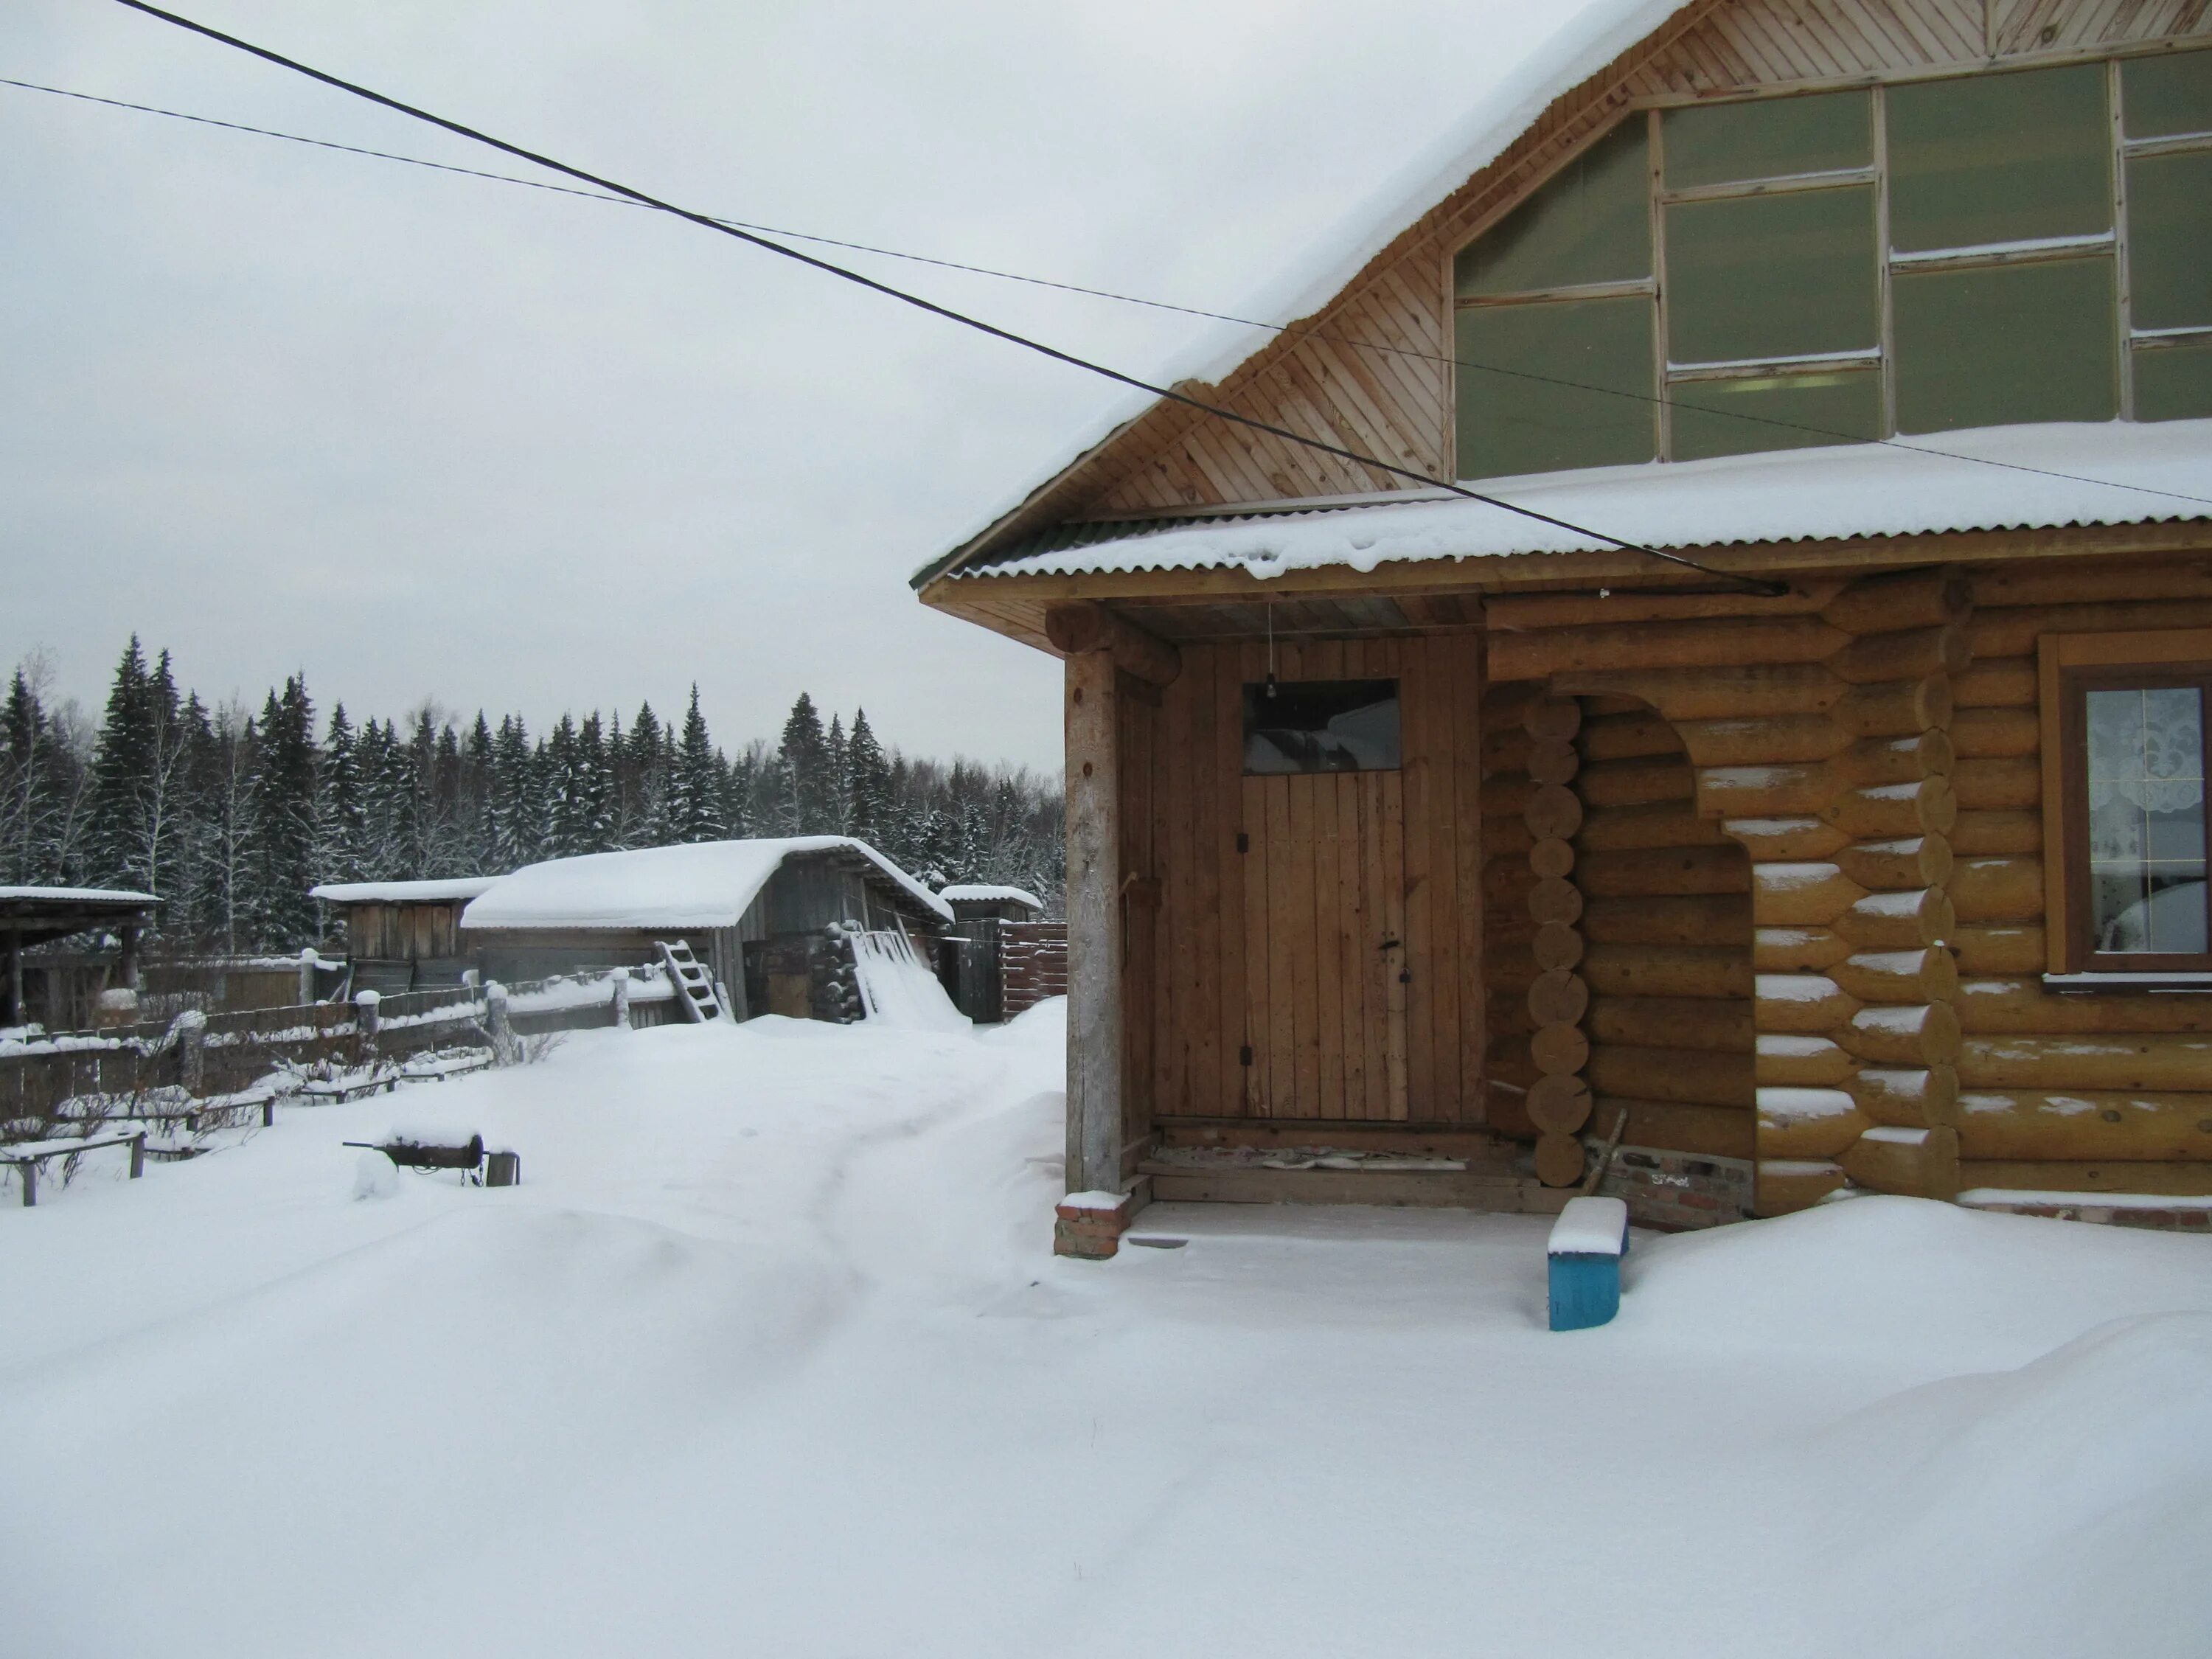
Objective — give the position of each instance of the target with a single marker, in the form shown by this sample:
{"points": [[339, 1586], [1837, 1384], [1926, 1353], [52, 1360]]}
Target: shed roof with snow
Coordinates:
{"points": [[707, 885], [972, 892], [448, 889]]}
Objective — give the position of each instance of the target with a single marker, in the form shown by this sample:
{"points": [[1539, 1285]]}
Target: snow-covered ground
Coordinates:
{"points": [[767, 1357]]}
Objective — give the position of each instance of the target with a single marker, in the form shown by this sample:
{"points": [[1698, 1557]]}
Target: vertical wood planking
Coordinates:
{"points": [[1351, 952], [1443, 831], [1391, 837], [1282, 1004], [1418, 802], [1467, 816], [1204, 969], [1228, 783], [1172, 775], [1295, 904]]}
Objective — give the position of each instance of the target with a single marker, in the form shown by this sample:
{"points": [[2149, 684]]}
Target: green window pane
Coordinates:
{"points": [[1770, 138], [1510, 423], [2170, 240], [1771, 276], [1798, 412], [1590, 224], [1999, 158], [2162, 96], [2174, 383], [2004, 344]]}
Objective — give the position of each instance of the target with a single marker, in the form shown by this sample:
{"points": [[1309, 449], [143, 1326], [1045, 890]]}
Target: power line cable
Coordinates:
{"points": [[1758, 585], [1291, 330], [755, 235]]}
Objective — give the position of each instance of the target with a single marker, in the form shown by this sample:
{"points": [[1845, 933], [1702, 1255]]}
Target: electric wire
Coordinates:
{"points": [[1290, 331], [759, 236]]}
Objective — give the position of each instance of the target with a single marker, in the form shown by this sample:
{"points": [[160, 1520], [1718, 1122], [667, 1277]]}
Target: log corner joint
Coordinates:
{"points": [[1085, 625]]}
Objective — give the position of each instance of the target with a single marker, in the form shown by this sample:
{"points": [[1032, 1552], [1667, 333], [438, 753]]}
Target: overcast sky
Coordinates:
{"points": [[422, 436]]}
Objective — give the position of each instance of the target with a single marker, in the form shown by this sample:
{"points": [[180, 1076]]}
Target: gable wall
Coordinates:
{"points": [[1395, 403]]}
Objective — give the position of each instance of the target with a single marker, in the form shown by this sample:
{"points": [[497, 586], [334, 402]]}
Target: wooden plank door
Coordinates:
{"points": [[1326, 962]]}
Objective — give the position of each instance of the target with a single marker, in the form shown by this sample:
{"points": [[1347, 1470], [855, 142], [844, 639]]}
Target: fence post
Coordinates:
{"points": [[500, 1025], [191, 1051], [307, 975], [621, 1002], [366, 1011]]}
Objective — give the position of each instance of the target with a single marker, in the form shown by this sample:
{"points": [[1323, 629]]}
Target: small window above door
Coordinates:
{"points": [[1320, 726]]}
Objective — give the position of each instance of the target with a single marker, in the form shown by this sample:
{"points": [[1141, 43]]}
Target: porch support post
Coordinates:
{"points": [[15, 976], [1094, 928]]}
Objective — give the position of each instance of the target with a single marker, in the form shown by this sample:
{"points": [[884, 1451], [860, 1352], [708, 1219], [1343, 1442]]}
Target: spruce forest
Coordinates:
{"points": [[230, 816]]}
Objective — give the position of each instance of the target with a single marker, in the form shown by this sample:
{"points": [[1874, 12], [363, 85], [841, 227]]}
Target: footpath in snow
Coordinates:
{"points": [[768, 1356]]}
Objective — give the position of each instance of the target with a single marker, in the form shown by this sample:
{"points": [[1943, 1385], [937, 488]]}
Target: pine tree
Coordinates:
{"points": [[341, 818], [805, 754], [841, 778], [515, 800], [281, 826], [869, 786], [697, 782], [122, 757], [592, 789], [642, 818], [476, 799]]}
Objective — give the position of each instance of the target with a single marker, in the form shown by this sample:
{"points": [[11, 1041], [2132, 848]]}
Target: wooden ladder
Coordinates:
{"points": [[695, 987]]}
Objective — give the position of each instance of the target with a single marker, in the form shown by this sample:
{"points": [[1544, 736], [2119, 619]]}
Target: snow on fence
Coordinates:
{"points": [[206, 1056]]}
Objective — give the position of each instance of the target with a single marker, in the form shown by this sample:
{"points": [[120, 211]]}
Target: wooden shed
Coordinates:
{"points": [[973, 963], [1732, 681], [403, 935], [769, 919], [70, 990]]}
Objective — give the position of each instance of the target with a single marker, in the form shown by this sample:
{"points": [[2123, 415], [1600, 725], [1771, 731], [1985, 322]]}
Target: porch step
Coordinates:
{"points": [[1498, 1189]]}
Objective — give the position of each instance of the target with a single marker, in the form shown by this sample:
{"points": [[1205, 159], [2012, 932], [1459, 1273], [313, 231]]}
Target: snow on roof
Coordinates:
{"points": [[983, 893], [77, 896], [1582, 45], [703, 885], [403, 892], [2125, 473]]}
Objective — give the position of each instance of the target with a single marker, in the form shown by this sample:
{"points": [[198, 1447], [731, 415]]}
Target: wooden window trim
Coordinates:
{"points": [[2067, 664]]}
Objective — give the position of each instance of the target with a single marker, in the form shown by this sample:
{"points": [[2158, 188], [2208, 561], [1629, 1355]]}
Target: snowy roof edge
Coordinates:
{"points": [[1577, 50], [1988, 479], [427, 891]]}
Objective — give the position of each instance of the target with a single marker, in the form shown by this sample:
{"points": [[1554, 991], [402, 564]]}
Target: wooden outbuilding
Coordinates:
{"points": [[771, 921], [72, 991], [973, 963], [403, 935], [1731, 681]]}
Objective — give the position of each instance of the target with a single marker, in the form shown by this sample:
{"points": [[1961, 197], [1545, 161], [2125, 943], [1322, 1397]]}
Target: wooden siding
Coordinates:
{"points": [[1879, 761], [1277, 948], [1371, 369], [402, 933]]}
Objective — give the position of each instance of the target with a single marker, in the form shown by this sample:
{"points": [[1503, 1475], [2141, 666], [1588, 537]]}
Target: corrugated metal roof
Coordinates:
{"points": [[2019, 478]]}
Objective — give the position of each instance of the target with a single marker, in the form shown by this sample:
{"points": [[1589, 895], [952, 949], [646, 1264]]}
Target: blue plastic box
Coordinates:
{"points": [[1588, 1241]]}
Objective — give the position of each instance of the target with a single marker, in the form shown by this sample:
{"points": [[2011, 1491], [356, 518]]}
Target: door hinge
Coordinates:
{"points": [[1243, 842], [1244, 1055]]}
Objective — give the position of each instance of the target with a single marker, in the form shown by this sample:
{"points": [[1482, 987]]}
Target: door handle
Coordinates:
{"points": [[1389, 945]]}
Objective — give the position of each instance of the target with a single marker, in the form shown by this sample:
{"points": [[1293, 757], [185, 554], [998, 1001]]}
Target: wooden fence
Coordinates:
{"points": [[217, 1054], [1032, 963]]}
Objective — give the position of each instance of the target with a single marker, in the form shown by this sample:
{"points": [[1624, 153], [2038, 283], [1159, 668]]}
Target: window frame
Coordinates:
{"points": [[1676, 384], [2068, 667], [1396, 699]]}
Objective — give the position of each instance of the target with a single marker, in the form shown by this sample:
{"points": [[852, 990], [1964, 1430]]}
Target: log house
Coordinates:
{"points": [[1416, 847]]}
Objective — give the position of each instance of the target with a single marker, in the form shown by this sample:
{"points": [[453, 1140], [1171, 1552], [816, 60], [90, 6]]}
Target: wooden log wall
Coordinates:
{"points": [[1667, 909], [1874, 747], [2068, 1093]]}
